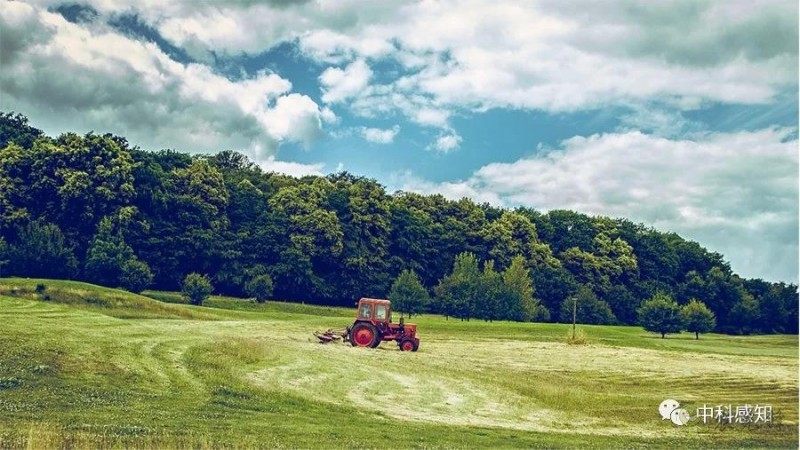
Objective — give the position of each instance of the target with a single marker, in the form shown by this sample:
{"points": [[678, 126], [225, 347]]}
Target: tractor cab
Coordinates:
{"points": [[373, 325], [374, 310]]}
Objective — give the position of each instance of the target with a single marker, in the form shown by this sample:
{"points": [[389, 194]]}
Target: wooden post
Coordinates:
{"points": [[574, 315]]}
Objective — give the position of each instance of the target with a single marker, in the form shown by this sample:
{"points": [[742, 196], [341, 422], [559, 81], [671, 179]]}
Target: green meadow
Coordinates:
{"points": [[85, 366]]}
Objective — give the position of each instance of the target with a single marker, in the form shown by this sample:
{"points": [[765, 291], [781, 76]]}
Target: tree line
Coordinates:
{"points": [[92, 207]]}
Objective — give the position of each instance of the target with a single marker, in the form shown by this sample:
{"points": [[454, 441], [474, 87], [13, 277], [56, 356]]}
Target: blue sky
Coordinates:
{"points": [[682, 115]]}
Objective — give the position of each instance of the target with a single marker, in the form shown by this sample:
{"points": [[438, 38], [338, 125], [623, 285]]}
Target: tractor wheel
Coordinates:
{"points": [[364, 335], [407, 345]]}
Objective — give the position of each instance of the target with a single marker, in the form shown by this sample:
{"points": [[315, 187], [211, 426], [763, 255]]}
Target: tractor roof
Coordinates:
{"points": [[375, 300]]}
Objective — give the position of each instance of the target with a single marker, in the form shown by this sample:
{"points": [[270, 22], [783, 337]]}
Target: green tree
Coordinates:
{"points": [[588, 308], [522, 305], [408, 295], [744, 315], [411, 243], [260, 287], [661, 314], [458, 292], [196, 288], [493, 294], [40, 251], [697, 318], [623, 304], [609, 261], [135, 275], [14, 128], [313, 240], [513, 234], [106, 255], [3, 254]]}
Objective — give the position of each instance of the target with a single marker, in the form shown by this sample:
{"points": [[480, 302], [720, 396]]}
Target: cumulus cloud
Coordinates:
{"points": [[549, 56], [446, 143], [408, 182], [722, 189], [68, 76], [340, 84], [379, 136], [291, 168]]}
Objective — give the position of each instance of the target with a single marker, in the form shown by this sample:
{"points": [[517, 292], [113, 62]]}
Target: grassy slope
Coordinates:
{"points": [[100, 367]]}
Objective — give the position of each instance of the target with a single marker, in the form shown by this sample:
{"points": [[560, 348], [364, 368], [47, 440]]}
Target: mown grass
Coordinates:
{"points": [[120, 371]]}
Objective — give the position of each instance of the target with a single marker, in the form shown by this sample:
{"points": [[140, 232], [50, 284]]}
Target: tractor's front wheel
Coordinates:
{"points": [[364, 335], [407, 345]]}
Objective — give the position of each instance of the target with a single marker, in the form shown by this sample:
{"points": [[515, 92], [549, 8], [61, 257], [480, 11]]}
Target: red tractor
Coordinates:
{"points": [[372, 326]]}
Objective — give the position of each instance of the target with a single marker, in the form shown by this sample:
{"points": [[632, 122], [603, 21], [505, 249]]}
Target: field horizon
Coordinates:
{"points": [[100, 367]]}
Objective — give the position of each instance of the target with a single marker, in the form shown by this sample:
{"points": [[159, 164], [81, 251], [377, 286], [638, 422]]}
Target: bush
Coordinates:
{"points": [[260, 287], [579, 338], [136, 276], [196, 288], [41, 251], [40, 288]]}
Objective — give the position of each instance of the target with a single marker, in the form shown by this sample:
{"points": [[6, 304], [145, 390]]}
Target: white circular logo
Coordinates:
{"points": [[666, 407], [679, 416]]}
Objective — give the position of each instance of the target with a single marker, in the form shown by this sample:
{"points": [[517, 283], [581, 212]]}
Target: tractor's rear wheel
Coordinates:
{"points": [[364, 335], [407, 345]]}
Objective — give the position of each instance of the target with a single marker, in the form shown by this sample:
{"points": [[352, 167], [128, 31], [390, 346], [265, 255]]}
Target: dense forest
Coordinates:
{"points": [[95, 208]]}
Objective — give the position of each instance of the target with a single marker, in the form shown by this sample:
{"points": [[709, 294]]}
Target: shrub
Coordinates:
{"points": [[196, 288], [578, 338], [260, 287], [136, 276], [40, 288]]}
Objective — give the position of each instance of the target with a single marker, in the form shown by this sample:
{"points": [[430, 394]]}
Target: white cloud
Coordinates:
{"points": [[446, 142], [408, 182], [340, 84], [723, 190], [295, 118], [379, 136], [291, 168], [67, 76], [467, 55], [658, 121], [328, 116]]}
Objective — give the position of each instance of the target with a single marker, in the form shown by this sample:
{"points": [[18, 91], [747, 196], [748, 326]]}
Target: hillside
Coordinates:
{"points": [[96, 209], [98, 367]]}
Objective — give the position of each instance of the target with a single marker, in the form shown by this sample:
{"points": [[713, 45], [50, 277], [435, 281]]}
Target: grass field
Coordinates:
{"points": [[97, 367]]}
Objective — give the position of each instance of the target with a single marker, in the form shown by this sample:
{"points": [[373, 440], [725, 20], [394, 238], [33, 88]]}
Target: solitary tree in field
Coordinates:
{"points": [[661, 314], [196, 288], [408, 295], [260, 287], [697, 318]]}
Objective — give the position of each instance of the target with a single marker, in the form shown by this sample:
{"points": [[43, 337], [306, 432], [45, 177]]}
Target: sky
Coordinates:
{"points": [[681, 115]]}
